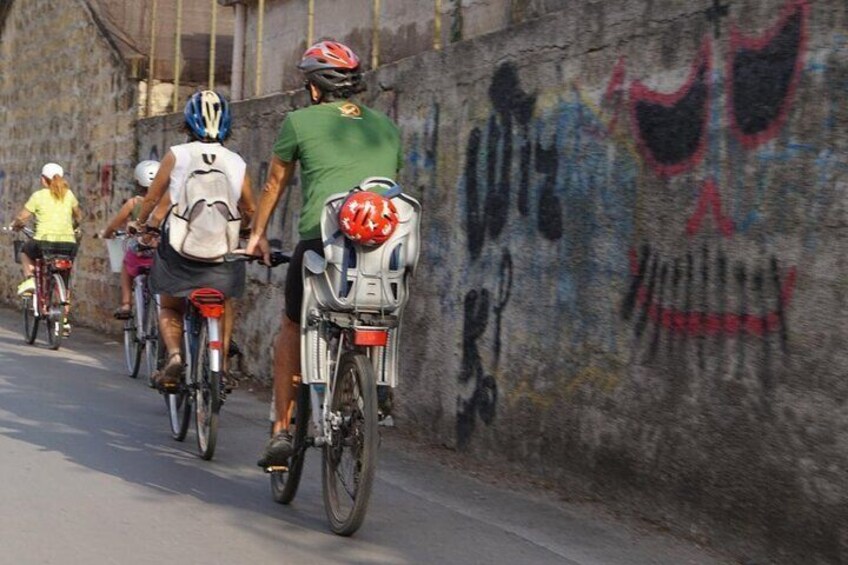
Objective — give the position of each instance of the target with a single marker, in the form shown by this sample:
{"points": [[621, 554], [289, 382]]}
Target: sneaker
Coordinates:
{"points": [[277, 451], [66, 328], [27, 287]]}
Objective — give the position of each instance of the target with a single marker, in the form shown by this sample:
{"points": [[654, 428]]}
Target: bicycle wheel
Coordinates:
{"points": [[30, 320], [349, 460], [133, 346], [179, 412], [284, 483], [207, 397], [55, 311], [153, 352]]}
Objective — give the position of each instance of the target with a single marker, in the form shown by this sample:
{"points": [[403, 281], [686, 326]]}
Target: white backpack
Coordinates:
{"points": [[204, 224]]}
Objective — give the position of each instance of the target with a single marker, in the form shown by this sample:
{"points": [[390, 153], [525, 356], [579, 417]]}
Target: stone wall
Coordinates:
{"points": [[633, 265], [65, 97]]}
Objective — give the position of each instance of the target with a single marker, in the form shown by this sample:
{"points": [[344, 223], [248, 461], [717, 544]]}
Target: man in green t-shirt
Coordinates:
{"points": [[338, 143]]}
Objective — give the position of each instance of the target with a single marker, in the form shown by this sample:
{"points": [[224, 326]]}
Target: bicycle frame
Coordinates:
{"points": [[346, 334], [44, 269]]}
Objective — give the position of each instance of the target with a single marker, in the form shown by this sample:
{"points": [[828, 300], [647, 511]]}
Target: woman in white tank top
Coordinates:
{"points": [[173, 277]]}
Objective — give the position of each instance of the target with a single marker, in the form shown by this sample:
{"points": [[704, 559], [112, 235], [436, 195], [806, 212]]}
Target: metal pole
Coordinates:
{"points": [[375, 35], [238, 52], [151, 66], [310, 27], [259, 36], [177, 53], [437, 26], [213, 36]]}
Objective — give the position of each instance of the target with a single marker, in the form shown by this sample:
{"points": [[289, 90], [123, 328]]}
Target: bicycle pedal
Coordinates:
{"points": [[276, 469]]}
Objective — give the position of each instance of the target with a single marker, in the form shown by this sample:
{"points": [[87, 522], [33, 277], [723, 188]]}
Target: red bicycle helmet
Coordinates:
{"points": [[331, 66], [368, 218]]}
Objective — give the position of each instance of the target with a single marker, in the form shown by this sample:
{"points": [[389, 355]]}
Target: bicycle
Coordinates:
{"points": [[50, 300], [351, 317], [201, 388], [141, 326]]}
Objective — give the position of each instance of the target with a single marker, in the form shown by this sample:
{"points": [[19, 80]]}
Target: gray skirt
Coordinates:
{"points": [[174, 275]]}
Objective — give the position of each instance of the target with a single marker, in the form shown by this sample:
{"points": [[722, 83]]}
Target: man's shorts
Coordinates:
{"points": [[35, 249], [294, 277]]}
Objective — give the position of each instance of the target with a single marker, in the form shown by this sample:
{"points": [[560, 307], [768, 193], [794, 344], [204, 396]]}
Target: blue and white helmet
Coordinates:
{"points": [[207, 114]]}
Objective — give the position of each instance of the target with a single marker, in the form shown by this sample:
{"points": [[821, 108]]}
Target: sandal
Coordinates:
{"points": [[228, 382], [170, 375], [124, 312]]}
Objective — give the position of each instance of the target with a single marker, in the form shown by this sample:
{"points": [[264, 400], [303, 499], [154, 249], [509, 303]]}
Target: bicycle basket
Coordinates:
{"points": [[116, 248]]}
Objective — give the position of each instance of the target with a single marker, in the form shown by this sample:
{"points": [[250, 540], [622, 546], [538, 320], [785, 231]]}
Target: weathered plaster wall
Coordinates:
{"points": [[634, 257], [65, 98]]}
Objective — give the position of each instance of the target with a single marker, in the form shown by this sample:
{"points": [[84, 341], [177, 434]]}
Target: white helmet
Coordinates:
{"points": [[51, 170], [145, 172]]}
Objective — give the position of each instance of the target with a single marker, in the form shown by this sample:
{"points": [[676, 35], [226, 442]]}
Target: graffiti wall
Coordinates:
{"points": [[637, 261], [633, 266]]}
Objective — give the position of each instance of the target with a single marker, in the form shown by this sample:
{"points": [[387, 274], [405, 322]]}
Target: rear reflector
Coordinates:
{"points": [[372, 338]]}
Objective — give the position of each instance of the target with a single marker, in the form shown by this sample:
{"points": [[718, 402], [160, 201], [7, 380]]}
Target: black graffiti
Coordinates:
{"points": [[483, 399], [690, 297], [762, 77], [492, 150], [714, 15], [550, 211], [672, 132]]}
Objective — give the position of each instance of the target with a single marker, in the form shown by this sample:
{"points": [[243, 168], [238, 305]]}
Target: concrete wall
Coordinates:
{"points": [[65, 98], [634, 265], [406, 29]]}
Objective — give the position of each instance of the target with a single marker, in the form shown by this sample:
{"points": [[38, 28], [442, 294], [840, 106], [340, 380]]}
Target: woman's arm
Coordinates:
{"points": [[247, 203], [162, 209], [21, 219], [158, 187], [119, 220]]}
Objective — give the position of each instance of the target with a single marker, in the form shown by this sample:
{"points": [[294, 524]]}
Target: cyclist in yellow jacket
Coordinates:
{"points": [[57, 214]]}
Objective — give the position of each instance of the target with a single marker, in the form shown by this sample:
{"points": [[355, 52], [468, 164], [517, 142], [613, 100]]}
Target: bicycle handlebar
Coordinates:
{"points": [[277, 258], [29, 232]]}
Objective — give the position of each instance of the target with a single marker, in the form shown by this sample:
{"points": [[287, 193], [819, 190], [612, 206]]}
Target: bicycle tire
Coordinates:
{"points": [[207, 396], [55, 311], [30, 320], [133, 346], [355, 400], [284, 483], [153, 350], [179, 412]]}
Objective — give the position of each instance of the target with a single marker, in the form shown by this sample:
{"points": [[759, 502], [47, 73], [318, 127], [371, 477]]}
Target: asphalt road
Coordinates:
{"points": [[90, 475]]}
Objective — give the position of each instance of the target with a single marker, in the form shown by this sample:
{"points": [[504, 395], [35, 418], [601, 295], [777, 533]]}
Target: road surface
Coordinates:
{"points": [[90, 475]]}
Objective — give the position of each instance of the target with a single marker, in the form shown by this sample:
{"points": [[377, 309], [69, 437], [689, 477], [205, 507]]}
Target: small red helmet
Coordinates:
{"points": [[368, 218]]}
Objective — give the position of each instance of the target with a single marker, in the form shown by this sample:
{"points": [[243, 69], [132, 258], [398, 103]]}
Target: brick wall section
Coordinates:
{"points": [[65, 99]]}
